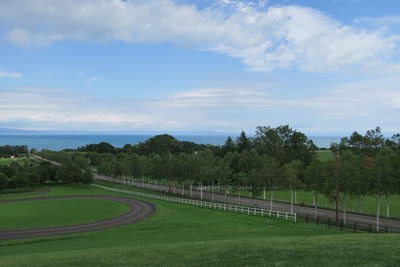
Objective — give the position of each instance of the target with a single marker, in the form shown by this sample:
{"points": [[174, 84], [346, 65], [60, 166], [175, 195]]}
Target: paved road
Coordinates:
{"points": [[300, 210], [139, 210]]}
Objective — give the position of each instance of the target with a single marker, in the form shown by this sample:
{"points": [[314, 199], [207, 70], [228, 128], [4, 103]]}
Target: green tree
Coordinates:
{"points": [[243, 143], [316, 176], [382, 178], [228, 146], [87, 176], [3, 181], [284, 144], [350, 170], [19, 180], [206, 162], [290, 174]]}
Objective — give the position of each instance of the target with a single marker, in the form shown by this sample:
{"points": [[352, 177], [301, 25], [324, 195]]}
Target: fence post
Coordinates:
{"points": [[341, 224], [317, 220], [355, 227], [386, 229], [306, 218], [329, 222], [369, 228]]}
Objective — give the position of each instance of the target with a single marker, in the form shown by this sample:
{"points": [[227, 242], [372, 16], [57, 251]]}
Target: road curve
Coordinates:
{"points": [[139, 210]]}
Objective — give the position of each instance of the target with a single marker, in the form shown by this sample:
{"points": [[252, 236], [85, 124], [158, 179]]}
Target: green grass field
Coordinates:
{"points": [[11, 193], [60, 212], [25, 158], [181, 235], [368, 205], [325, 155], [4, 161]]}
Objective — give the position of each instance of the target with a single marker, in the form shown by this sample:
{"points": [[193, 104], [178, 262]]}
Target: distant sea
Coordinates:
{"points": [[59, 142]]}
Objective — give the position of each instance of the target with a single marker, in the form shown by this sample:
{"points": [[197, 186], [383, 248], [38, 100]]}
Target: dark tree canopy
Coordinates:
{"points": [[8, 151], [102, 147]]}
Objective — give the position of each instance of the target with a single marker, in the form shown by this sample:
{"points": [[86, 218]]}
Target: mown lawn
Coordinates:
{"points": [[4, 160], [325, 155], [178, 235], [58, 212]]}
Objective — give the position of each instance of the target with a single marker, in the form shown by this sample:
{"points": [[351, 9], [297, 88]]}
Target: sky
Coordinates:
{"points": [[324, 67]]}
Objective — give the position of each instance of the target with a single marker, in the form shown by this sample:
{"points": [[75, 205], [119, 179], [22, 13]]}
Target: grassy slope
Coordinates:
{"points": [[60, 212], [185, 235], [25, 159], [325, 155], [18, 193], [4, 161]]}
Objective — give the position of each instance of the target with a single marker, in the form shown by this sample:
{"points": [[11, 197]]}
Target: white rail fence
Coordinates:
{"points": [[210, 205]]}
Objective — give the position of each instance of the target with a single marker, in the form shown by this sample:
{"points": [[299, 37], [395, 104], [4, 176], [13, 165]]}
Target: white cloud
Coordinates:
{"points": [[60, 109], [351, 106], [263, 37], [24, 38], [6, 74], [92, 79], [380, 21]]}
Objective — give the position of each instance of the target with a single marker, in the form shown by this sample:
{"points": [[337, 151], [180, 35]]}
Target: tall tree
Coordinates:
{"points": [[3, 181], [316, 176], [381, 176], [350, 170], [290, 175], [228, 146], [270, 170], [243, 143], [284, 144]]}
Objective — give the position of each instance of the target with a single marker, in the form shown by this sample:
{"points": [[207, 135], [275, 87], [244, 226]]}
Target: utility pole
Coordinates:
{"points": [[337, 182]]}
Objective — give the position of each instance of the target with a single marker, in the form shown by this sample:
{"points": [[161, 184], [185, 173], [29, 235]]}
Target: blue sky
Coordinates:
{"points": [[323, 67]]}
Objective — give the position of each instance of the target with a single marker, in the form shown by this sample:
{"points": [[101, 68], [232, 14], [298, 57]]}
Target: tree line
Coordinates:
{"points": [[8, 151], [32, 173]]}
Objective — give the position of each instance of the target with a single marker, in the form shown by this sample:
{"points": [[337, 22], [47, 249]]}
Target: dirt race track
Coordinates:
{"points": [[139, 210]]}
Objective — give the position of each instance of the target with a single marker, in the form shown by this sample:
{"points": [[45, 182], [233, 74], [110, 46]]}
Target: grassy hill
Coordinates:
{"points": [[325, 155], [178, 235]]}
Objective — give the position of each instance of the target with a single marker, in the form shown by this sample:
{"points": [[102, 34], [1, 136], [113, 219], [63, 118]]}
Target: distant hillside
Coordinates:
{"points": [[11, 131], [5, 131]]}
